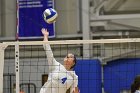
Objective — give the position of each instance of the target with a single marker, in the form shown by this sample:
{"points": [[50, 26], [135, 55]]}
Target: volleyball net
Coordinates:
{"points": [[105, 65]]}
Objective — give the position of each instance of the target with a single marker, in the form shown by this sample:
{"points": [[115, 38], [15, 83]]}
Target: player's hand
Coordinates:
{"points": [[45, 32], [76, 90]]}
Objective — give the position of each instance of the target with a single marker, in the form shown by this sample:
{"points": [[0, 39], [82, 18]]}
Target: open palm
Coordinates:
{"points": [[45, 31]]}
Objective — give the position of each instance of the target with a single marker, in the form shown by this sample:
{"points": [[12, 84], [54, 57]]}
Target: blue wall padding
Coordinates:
{"points": [[119, 74], [89, 74]]}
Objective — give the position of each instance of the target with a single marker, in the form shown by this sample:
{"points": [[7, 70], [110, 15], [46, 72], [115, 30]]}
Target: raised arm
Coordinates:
{"points": [[45, 33], [51, 60]]}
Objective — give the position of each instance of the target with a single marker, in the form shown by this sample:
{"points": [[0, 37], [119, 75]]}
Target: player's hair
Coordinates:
{"points": [[136, 84], [75, 61]]}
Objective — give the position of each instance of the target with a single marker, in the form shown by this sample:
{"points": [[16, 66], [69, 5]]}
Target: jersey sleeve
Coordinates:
{"points": [[51, 60]]}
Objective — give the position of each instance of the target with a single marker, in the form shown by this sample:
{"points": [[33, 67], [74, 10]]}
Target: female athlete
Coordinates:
{"points": [[61, 77]]}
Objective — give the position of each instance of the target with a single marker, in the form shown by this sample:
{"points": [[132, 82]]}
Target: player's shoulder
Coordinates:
{"points": [[73, 74]]}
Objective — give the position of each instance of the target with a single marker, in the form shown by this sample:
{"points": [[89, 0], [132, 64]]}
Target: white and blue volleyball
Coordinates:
{"points": [[50, 15]]}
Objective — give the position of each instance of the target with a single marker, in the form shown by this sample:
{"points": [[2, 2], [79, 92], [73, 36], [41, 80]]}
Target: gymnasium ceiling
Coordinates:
{"points": [[122, 7]]}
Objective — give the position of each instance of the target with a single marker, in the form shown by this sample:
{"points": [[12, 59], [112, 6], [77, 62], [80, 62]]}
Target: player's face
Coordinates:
{"points": [[69, 61]]}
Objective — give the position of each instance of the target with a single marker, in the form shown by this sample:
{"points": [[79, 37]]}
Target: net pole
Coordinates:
{"points": [[17, 66], [2, 49], [1, 68]]}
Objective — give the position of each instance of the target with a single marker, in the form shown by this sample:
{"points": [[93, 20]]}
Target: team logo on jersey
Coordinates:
{"points": [[64, 80]]}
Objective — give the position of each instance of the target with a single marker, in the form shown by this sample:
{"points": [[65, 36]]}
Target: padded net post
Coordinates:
{"points": [[17, 67]]}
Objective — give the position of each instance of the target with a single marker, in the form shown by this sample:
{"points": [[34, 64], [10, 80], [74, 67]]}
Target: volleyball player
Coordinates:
{"points": [[61, 77], [135, 87]]}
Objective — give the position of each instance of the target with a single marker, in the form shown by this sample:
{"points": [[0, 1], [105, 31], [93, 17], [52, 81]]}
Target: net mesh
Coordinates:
{"points": [[110, 67]]}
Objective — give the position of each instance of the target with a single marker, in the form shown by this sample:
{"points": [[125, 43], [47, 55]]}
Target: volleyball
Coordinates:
{"points": [[50, 15]]}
